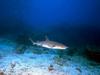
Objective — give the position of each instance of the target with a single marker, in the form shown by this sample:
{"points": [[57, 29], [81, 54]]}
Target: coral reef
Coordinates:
{"points": [[93, 54], [2, 73], [28, 62], [20, 49], [50, 68]]}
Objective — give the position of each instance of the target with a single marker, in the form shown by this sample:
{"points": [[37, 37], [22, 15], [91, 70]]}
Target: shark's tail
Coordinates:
{"points": [[32, 41]]}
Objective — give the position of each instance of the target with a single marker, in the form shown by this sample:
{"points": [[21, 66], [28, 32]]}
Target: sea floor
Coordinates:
{"points": [[30, 63]]}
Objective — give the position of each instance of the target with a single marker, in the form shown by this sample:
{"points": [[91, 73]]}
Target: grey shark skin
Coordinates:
{"points": [[49, 44]]}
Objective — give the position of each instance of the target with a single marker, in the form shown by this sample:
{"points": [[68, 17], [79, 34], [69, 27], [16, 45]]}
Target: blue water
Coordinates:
{"points": [[73, 20], [73, 23]]}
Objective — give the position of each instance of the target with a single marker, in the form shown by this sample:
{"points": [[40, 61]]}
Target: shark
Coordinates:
{"points": [[49, 44]]}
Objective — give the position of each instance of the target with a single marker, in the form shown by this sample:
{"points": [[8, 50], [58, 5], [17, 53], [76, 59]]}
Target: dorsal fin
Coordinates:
{"points": [[46, 38]]}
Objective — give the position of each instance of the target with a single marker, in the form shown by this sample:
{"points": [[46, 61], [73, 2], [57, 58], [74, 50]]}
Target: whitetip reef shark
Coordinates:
{"points": [[49, 44]]}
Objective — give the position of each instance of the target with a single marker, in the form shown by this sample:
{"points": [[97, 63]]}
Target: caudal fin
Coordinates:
{"points": [[32, 41]]}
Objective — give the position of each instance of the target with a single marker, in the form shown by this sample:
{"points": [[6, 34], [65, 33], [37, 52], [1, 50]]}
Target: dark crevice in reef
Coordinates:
{"points": [[93, 54]]}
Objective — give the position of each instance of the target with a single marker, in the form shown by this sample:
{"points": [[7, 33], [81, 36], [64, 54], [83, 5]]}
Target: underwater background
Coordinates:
{"points": [[75, 23]]}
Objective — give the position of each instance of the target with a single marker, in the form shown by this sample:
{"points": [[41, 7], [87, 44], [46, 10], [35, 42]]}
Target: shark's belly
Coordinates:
{"points": [[46, 46]]}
